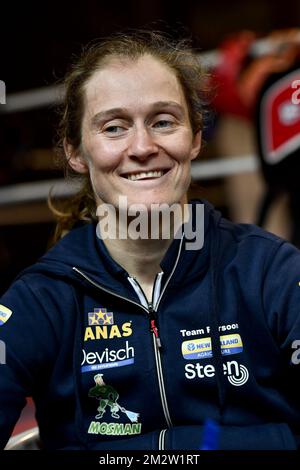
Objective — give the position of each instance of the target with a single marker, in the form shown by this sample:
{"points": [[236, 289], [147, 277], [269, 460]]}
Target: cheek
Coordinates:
{"points": [[180, 146], [181, 152], [102, 156]]}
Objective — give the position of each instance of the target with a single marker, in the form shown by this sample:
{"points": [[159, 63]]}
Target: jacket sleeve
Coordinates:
{"points": [[26, 340], [282, 310], [282, 301]]}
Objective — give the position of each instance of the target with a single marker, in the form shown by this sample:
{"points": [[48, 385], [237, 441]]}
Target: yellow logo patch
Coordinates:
{"points": [[5, 314]]}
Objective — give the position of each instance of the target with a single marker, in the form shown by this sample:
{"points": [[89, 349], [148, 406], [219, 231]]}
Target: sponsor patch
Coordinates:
{"points": [[237, 374], [114, 429], [108, 405], [94, 360], [100, 316], [101, 325], [5, 314], [201, 348]]}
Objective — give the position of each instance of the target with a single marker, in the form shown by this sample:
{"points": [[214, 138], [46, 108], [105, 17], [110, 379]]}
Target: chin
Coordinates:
{"points": [[149, 202]]}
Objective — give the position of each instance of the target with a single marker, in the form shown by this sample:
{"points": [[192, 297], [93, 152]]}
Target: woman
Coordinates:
{"points": [[171, 335]]}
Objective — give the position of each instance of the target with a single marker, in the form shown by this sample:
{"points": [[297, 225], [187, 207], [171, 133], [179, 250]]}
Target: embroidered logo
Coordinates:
{"points": [[108, 397], [236, 373], [100, 316], [239, 378], [101, 325], [201, 348], [108, 358]]}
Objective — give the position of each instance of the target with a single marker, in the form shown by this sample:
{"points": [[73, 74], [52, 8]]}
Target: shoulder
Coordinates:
{"points": [[55, 266], [241, 232], [257, 248], [250, 236], [238, 235]]}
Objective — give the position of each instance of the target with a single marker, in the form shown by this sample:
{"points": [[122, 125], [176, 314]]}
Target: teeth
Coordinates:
{"points": [[148, 174]]}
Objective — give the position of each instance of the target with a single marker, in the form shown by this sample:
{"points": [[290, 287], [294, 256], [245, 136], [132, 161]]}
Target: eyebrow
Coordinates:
{"points": [[113, 112]]}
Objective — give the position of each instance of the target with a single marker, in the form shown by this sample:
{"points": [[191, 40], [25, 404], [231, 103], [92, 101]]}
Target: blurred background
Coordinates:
{"points": [[249, 164]]}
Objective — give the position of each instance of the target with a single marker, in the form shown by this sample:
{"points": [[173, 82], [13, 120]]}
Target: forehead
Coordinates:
{"points": [[130, 83]]}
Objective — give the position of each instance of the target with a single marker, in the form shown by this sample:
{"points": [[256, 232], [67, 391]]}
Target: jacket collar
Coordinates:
{"points": [[81, 248]]}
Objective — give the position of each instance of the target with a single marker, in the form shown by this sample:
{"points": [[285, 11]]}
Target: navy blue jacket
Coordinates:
{"points": [[107, 370]]}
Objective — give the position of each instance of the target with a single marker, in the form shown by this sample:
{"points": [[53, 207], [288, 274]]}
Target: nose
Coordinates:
{"points": [[142, 144]]}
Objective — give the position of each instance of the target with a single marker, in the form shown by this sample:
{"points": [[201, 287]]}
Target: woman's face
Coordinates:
{"points": [[137, 139]]}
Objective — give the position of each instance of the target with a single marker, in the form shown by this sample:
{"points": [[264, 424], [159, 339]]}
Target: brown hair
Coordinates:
{"points": [[177, 54]]}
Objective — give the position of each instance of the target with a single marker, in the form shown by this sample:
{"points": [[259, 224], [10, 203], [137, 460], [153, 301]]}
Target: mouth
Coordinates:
{"points": [[145, 175]]}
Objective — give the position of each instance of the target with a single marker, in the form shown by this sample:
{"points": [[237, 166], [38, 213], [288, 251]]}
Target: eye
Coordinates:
{"points": [[114, 130], [163, 124]]}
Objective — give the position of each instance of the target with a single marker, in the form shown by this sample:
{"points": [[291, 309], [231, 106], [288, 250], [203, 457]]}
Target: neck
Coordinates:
{"points": [[141, 257]]}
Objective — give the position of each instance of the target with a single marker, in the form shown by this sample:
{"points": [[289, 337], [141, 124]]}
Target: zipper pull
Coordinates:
{"points": [[153, 326]]}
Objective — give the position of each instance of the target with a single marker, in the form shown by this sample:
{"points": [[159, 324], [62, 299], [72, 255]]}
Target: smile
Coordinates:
{"points": [[143, 175]]}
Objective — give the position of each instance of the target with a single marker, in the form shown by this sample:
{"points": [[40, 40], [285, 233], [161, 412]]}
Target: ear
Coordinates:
{"points": [[75, 158], [196, 145]]}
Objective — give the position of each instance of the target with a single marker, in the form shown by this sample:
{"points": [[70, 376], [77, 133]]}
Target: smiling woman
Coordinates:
{"points": [[139, 102], [143, 148], [129, 342]]}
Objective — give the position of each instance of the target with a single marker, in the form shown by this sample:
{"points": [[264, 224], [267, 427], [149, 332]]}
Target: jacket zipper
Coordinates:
{"points": [[156, 340], [156, 347], [162, 439], [153, 326], [150, 306]]}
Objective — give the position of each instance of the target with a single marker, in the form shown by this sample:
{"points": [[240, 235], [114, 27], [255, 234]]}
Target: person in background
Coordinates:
{"points": [[199, 325]]}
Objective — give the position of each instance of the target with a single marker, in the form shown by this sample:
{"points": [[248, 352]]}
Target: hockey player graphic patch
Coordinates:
{"points": [[108, 408]]}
